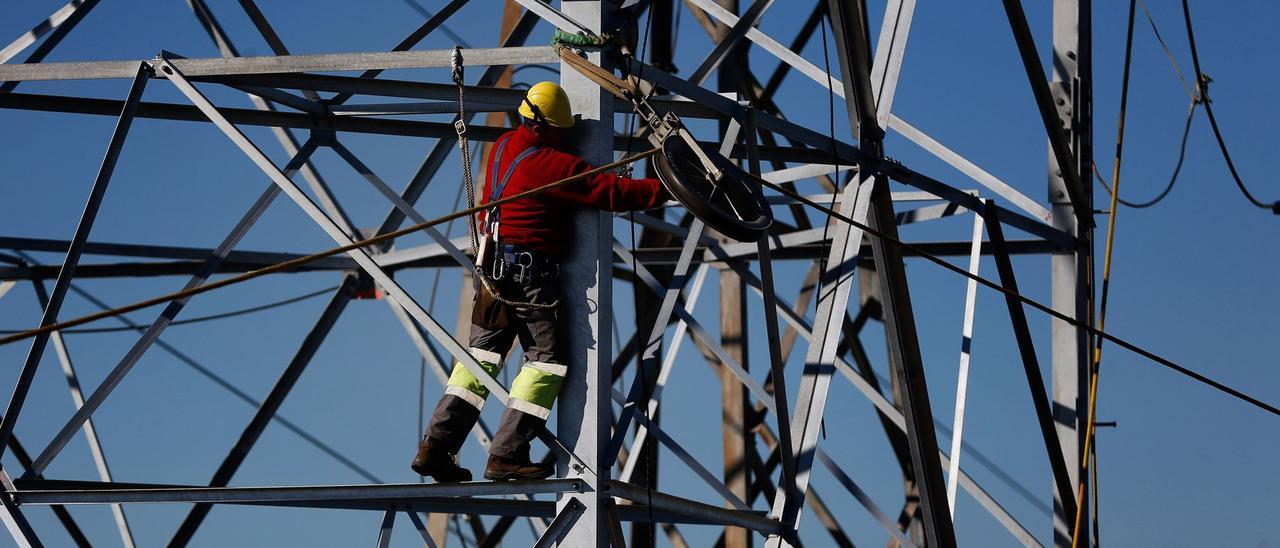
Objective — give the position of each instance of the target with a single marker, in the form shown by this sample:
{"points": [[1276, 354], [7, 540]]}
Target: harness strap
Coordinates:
{"points": [[495, 193]]}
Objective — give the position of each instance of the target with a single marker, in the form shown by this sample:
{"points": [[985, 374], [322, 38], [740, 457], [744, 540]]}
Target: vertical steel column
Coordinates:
{"points": [[1072, 279], [72, 258], [584, 412]]}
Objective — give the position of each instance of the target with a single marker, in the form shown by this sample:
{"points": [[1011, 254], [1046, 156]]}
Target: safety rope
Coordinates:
{"points": [[460, 126], [299, 261], [1096, 363]]}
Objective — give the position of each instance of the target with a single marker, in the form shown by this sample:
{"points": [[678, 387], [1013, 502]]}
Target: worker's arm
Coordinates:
{"points": [[605, 191]]}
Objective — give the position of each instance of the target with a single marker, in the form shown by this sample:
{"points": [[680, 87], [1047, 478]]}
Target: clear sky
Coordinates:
{"points": [[1193, 280]]}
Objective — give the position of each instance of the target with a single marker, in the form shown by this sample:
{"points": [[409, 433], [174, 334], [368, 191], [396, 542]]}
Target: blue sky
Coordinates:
{"points": [[1192, 280]]}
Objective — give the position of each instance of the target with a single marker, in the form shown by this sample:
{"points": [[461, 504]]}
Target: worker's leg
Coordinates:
{"points": [[459, 407], [464, 395], [535, 388]]}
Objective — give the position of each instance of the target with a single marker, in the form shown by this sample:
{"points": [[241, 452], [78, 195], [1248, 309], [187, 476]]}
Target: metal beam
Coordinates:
{"points": [[1059, 142], [587, 293], [267, 410], [161, 322], [324, 62], [52, 42], [19, 528], [962, 375], [87, 217], [90, 431], [714, 514], [50, 23], [409, 41], [1072, 275], [59, 511], [895, 416], [905, 350], [386, 493], [1030, 363], [564, 519]]}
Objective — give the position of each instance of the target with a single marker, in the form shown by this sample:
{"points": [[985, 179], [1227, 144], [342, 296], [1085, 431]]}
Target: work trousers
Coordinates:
{"points": [[493, 330]]}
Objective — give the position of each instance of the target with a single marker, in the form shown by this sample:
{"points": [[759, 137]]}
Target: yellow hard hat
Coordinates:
{"points": [[547, 102]]}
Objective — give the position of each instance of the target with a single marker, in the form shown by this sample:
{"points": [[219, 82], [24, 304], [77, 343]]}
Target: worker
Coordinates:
{"points": [[528, 238]]}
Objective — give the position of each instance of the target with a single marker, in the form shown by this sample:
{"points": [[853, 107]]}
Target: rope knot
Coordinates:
{"points": [[455, 62]]}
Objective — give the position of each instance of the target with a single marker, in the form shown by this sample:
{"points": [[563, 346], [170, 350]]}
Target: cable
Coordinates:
{"points": [[642, 376], [1177, 168], [198, 319], [1096, 369], [1167, 52], [835, 158], [226, 385], [1025, 300], [1202, 84], [1186, 128]]}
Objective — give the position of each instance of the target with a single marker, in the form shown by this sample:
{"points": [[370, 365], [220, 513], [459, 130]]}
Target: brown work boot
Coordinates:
{"points": [[519, 468], [434, 461]]}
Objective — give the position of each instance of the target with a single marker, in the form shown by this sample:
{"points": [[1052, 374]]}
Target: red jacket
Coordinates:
{"points": [[544, 221]]}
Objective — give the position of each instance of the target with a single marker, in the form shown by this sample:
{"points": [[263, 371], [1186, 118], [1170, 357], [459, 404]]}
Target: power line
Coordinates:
{"points": [[1177, 168], [1027, 300], [1186, 126], [1202, 84], [1167, 53], [226, 384], [198, 319]]}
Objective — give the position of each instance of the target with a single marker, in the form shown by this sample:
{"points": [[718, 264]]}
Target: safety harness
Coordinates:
{"points": [[520, 264]]}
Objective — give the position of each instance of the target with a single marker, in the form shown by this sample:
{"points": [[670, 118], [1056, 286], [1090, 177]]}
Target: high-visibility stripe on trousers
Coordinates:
{"points": [[533, 391]]}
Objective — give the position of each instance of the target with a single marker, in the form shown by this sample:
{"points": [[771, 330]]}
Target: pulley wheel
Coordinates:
{"points": [[734, 205]]}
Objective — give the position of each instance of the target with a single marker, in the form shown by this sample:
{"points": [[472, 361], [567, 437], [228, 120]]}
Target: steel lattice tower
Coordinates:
{"points": [[608, 447]]}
